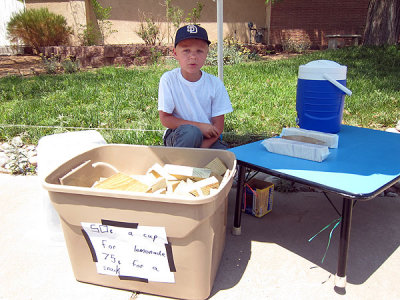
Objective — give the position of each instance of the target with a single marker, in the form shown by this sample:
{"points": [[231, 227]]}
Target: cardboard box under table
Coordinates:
{"points": [[166, 245], [258, 197]]}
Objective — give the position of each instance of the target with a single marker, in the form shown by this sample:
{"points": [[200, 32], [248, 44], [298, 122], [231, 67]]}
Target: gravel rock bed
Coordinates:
{"points": [[17, 158]]}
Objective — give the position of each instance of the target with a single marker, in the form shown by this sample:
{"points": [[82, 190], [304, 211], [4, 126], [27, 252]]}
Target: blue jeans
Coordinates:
{"points": [[188, 136]]}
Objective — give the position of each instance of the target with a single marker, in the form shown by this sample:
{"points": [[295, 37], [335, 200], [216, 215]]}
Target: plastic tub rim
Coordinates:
{"points": [[181, 199]]}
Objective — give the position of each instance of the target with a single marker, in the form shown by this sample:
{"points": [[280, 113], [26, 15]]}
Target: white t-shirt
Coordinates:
{"points": [[193, 101]]}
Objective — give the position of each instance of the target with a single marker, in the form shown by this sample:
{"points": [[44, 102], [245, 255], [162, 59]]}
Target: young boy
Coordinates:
{"points": [[191, 102]]}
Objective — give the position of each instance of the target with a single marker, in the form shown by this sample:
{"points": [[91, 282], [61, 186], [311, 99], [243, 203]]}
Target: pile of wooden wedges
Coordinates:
{"points": [[171, 179]]}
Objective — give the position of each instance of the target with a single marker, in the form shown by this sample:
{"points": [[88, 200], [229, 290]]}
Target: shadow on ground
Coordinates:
{"points": [[375, 235]]}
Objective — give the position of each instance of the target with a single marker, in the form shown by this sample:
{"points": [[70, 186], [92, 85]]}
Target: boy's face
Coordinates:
{"points": [[191, 55]]}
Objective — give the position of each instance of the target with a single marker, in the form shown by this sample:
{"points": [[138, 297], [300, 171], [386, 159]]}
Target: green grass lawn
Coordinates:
{"points": [[263, 95]]}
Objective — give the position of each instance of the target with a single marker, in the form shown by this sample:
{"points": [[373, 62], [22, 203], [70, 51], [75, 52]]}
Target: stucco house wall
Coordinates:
{"points": [[310, 20], [126, 16]]}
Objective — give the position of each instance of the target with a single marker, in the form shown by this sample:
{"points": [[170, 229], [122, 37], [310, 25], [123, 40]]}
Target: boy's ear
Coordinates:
{"points": [[174, 52]]}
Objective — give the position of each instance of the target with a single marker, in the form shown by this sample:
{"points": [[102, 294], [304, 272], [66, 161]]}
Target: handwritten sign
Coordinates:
{"points": [[142, 252]]}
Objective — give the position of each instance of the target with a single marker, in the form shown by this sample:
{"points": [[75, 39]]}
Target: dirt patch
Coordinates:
{"points": [[278, 56], [21, 65]]}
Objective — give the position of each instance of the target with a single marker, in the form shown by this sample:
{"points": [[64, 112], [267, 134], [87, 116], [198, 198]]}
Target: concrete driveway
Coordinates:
{"points": [[272, 259]]}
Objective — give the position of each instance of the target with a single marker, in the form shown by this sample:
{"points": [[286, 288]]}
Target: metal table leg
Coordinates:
{"points": [[347, 211], [237, 230]]}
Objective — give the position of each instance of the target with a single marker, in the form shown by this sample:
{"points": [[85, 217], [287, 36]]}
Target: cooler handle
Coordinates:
{"points": [[337, 84]]}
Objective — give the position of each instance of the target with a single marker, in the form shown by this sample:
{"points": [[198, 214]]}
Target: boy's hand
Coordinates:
{"points": [[217, 128], [208, 130], [211, 132]]}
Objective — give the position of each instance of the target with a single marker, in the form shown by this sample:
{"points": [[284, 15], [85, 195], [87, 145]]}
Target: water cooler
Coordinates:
{"points": [[321, 88]]}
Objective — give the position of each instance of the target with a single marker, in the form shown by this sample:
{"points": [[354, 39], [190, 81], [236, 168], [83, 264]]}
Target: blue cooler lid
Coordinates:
{"points": [[319, 69]]}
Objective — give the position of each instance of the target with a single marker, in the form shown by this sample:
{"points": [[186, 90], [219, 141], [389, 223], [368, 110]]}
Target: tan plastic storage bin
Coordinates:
{"points": [[195, 228]]}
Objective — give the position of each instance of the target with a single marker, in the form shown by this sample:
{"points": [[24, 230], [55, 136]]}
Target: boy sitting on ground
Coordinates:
{"points": [[191, 102]]}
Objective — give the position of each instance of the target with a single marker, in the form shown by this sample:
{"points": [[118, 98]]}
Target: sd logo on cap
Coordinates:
{"points": [[191, 32]]}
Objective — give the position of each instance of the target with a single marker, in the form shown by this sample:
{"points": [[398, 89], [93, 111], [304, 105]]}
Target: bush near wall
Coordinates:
{"points": [[38, 28]]}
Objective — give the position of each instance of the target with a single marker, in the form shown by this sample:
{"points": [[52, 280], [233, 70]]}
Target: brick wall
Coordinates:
{"points": [[313, 19]]}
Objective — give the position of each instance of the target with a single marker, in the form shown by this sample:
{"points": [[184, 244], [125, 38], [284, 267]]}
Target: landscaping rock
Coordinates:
{"points": [[18, 158], [111, 51], [123, 61], [130, 51], [17, 141], [4, 159], [88, 56], [33, 161], [97, 61], [20, 65], [398, 126], [394, 130]]}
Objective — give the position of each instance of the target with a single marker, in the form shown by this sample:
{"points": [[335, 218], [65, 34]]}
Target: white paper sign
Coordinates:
{"points": [[132, 252]]}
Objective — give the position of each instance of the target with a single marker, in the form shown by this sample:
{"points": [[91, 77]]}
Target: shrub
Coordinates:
{"points": [[51, 63], [174, 14], [38, 28], [89, 35], [296, 45], [54, 64], [104, 25], [70, 65], [194, 16], [234, 53], [155, 55], [149, 31]]}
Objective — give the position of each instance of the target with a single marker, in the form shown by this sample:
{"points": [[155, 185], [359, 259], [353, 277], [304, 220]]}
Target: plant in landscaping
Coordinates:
{"points": [[149, 30], [19, 161], [88, 34], [38, 28], [51, 63], [70, 65], [174, 15], [296, 45], [94, 33], [194, 16], [234, 53], [102, 15], [155, 55]]}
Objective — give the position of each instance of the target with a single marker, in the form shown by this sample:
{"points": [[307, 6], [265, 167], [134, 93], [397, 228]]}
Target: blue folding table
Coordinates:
{"points": [[366, 163]]}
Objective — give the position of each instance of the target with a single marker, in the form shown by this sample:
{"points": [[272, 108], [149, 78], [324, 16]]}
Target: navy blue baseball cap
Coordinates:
{"points": [[191, 32]]}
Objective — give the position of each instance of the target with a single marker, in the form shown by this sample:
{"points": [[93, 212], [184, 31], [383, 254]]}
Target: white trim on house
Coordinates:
{"points": [[9, 8]]}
